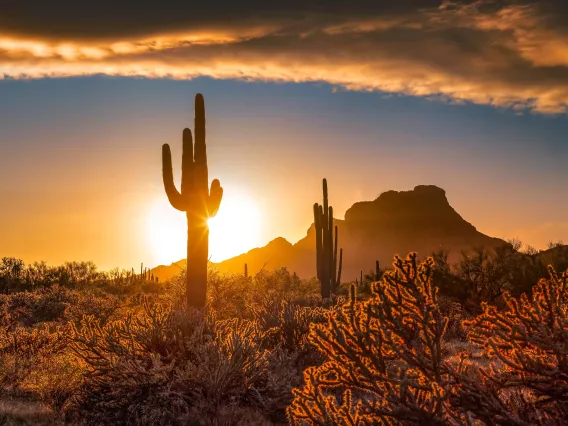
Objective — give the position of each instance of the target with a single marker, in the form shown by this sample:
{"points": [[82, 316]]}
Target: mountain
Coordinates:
{"points": [[396, 222]]}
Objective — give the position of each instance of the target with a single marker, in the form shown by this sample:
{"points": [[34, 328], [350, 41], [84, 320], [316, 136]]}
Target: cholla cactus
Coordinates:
{"points": [[196, 200], [530, 338], [384, 357]]}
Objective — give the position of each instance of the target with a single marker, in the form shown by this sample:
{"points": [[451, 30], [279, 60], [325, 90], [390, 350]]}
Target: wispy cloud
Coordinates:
{"points": [[504, 53]]}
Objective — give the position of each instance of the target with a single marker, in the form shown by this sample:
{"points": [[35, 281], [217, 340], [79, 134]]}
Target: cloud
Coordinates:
{"points": [[503, 53]]}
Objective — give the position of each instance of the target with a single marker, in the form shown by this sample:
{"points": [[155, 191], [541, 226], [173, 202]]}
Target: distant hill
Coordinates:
{"points": [[420, 220]]}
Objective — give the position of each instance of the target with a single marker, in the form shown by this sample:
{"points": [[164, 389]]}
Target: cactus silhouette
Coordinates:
{"points": [[328, 273], [196, 200], [377, 271]]}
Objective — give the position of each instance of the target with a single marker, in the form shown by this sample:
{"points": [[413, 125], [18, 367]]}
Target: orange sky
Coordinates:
{"points": [[80, 164]]}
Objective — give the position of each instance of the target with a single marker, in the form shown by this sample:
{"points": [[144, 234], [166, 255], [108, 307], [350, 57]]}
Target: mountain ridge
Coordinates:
{"points": [[396, 222]]}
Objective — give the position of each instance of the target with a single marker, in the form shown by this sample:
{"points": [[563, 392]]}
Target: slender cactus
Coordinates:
{"points": [[196, 200], [328, 272], [338, 281], [377, 271], [246, 271]]}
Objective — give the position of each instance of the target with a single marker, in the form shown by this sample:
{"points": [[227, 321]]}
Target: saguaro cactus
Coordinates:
{"points": [[328, 273], [196, 200]]}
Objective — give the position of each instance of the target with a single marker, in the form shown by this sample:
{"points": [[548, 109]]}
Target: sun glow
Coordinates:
{"points": [[235, 229]]}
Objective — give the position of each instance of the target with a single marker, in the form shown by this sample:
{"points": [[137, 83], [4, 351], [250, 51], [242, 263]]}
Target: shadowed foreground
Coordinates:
{"points": [[430, 343]]}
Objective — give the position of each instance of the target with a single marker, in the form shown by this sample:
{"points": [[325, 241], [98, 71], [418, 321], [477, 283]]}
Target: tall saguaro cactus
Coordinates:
{"points": [[328, 272], [196, 200]]}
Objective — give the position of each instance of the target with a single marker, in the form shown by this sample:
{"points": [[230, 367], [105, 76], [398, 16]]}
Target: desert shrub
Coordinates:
{"points": [[228, 295], [53, 304], [28, 308], [92, 302], [22, 350], [12, 273], [530, 338], [166, 366], [482, 274], [40, 274]]}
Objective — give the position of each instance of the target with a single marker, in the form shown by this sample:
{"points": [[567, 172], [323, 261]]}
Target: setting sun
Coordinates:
{"points": [[235, 229]]}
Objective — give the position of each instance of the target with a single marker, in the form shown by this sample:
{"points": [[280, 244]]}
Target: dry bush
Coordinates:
{"points": [[55, 304], [530, 339], [167, 366], [33, 361]]}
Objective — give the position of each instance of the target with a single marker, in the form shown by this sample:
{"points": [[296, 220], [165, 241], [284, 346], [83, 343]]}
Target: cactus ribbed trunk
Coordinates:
{"points": [[196, 199], [328, 272], [197, 257]]}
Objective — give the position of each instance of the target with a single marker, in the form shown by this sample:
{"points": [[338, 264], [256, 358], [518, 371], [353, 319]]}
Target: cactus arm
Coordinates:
{"points": [[329, 253], [175, 198], [187, 163], [200, 147], [200, 170], [326, 269], [334, 283], [318, 227], [377, 271], [339, 268], [215, 196]]}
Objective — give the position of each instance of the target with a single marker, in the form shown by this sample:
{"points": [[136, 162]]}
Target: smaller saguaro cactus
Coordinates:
{"points": [[246, 271], [328, 271], [377, 271]]}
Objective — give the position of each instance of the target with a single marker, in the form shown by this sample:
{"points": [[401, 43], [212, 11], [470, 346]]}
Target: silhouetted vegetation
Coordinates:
{"points": [[327, 266], [195, 200], [429, 343]]}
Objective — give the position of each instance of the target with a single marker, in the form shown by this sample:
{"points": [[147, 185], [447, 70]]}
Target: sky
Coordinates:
{"points": [[470, 96]]}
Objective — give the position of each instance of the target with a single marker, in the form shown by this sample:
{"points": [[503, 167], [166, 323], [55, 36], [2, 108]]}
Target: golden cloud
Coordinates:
{"points": [[509, 55]]}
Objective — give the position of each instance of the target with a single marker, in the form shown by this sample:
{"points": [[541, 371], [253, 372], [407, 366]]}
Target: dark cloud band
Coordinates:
{"points": [[512, 54]]}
